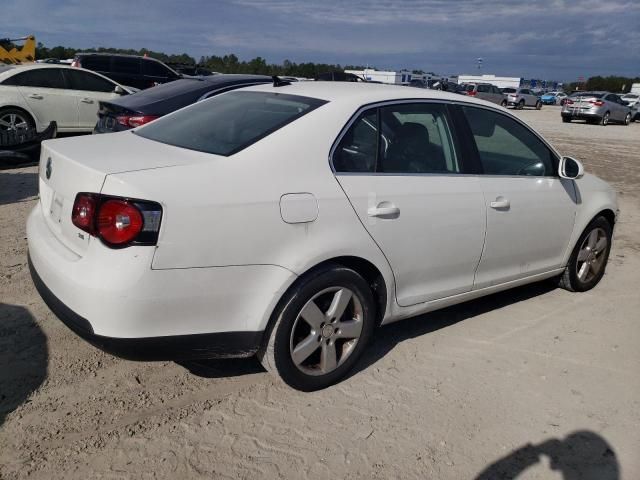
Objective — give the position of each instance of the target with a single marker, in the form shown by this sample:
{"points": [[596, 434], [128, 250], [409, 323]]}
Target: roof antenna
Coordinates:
{"points": [[278, 82]]}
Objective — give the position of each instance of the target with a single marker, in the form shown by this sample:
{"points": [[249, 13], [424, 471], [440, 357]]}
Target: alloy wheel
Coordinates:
{"points": [[605, 119], [13, 122], [591, 258], [326, 331]]}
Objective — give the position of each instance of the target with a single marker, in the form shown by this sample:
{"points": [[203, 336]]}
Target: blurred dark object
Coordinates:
{"points": [[24, 145]]}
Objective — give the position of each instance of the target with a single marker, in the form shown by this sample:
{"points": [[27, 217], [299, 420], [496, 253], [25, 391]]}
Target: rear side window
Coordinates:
{"points": [[155, 69], [226, 124], [80, 80], [406, 138], [99, 63], [505, 147], [126, 65], [42, 77], [508, 90], [484, 88]]}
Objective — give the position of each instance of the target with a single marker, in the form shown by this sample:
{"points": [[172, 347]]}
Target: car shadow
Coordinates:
{"points": [[23, 357], [581, 455], [17, 187], [387, 336]]}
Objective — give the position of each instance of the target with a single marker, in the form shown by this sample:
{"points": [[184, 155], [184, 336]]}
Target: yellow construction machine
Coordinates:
{"points": [[16, 55]]}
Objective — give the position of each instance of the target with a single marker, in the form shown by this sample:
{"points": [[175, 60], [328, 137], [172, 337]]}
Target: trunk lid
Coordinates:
{"points": [[81, 164]]}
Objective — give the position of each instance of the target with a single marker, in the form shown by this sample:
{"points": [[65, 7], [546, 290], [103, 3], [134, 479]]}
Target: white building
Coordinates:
{"points": [[398, 78], [500, 82]]}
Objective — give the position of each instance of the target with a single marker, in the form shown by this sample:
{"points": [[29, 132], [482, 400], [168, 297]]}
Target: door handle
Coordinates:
{"points": [[500, 203], [36, 96], [86, 100], [383, 210]]}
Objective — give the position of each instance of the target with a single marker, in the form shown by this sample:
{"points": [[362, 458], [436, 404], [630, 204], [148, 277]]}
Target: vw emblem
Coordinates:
{"points": [[48, 169]]}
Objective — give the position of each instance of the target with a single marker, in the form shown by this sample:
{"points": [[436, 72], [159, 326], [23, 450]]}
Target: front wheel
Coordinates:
{"points": [[627, 119], [538, 105], [589, 257], [320, 329], [520, 105]]}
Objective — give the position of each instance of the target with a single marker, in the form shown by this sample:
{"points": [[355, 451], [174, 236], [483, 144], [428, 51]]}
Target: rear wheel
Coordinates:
{"points": [[15, 120], [320, 329], [604, 121], [538, 105], [627, 119], [589, 257], [520, 105]]}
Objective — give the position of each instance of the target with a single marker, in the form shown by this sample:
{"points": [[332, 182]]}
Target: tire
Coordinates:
{"points": [[520, 105], [320, 333], [566, 119], [538, 105], [627, 119], [14, 119], [589, 258], [503, 104], [604, 121]]}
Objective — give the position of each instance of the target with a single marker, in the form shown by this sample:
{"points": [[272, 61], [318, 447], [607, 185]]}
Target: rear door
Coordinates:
{"points": [[530, 210], [89, 89], [403, 170], [46, 93]]}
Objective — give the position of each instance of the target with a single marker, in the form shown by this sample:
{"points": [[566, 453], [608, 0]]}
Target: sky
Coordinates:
{"points": [[550, 39]]}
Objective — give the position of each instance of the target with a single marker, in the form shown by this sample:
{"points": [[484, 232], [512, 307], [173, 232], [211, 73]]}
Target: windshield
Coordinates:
{"points": [[228, 123]]}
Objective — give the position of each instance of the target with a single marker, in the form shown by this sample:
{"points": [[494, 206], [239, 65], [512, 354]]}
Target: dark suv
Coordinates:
{"points": [[130, 70]]}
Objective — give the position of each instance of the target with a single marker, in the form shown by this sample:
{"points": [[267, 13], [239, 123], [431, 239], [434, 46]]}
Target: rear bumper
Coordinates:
{"points": [[115, 300], [582, 115], [174, 347]]}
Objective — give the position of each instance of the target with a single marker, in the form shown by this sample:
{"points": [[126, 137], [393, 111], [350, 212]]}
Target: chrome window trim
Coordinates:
{"points": [[460, 103]]}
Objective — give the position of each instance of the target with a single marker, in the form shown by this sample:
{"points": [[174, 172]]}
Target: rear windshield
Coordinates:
{"points": [[469, 88], [589, 94], [508, 90], [228, 123]]}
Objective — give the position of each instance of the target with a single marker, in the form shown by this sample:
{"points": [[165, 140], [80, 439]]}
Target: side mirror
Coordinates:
{"points": [[119, 90], [570, 168]]}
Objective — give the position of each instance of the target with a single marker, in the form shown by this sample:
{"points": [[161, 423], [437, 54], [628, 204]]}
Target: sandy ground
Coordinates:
{"points": [[535, 380]]}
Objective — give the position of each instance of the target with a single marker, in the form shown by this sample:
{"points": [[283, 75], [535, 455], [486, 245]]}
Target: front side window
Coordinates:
{"points": [[80, 80], [41, 77], [506, 147], [228, 123], [405, 138], [155, 69]]}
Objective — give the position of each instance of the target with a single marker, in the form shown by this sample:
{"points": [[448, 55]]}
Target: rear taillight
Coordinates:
{"points": [[568, 102], [118, 222], [134, 121], [597, 103]]}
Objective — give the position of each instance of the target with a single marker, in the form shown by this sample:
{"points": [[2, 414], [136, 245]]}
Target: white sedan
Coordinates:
{"points": [[32, 96], [289, 221]]}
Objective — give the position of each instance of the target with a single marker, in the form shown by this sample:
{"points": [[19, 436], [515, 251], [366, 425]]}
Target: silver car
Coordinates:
{"points": [[521, 97], [596, 107], [484, 91]]}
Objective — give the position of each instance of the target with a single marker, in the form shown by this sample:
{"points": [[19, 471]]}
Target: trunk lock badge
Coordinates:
{"points": [[49, 168]]}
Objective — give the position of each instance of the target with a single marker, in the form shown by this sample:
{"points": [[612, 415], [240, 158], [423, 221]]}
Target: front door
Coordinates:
{"points": [[89, 90], [530, 210], [403, 173]]}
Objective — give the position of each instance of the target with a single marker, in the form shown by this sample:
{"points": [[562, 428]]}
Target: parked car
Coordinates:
{"points": [[223, 230], [190, 69], [33, 96], [553, 98], [596, 107], [484, 91], [147, 105], [521, 97], [632, 99], [136, 71]]}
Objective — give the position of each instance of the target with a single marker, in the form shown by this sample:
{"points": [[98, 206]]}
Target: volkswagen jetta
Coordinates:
{"points": [[289, 221]]}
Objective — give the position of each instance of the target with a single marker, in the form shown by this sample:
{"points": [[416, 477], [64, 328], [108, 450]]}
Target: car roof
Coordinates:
{"points": [[167, 97], [363, 93]]}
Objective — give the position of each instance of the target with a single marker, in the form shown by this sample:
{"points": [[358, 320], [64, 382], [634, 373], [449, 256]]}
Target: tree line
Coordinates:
{"points": [[258, 66]]}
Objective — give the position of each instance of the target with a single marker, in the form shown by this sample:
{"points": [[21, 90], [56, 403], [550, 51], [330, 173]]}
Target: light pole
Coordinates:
{"points": [[479, 61]]}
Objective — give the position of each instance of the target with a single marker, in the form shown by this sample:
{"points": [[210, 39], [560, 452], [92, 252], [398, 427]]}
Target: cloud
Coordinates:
{"points": [[550, 38]]}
